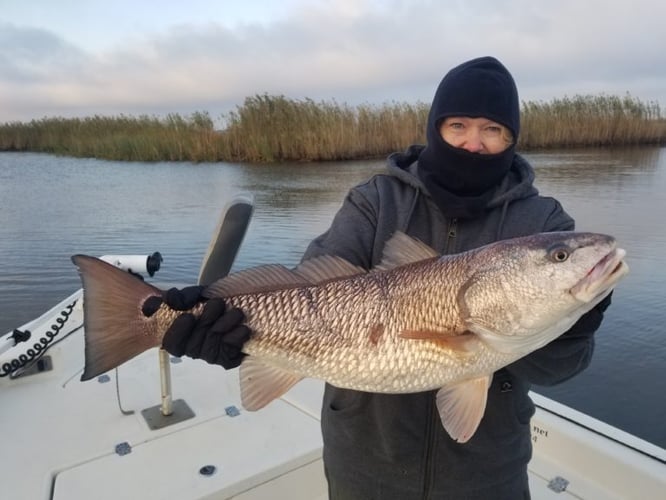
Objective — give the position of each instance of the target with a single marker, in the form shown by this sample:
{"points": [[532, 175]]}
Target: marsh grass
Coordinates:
{"points": [[270, 128], [142, 138], [591, 121]]}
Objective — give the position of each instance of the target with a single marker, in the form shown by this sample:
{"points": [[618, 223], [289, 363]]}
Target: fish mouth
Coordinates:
{"points": [[602, 277]]}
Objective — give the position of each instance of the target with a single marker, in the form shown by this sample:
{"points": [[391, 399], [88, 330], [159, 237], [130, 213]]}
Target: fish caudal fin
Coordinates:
{"points": [[260, 384], [461, 407], [115, 328]]}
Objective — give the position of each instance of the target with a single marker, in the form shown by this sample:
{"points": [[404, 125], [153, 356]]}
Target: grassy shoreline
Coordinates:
{"points": [[269, 128]]}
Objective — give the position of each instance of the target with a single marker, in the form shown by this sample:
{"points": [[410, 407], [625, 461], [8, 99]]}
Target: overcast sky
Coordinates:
{"points": [[85, 57]]}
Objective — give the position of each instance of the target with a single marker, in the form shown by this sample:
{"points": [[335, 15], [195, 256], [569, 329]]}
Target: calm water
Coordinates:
{"points": [[51, 208]]}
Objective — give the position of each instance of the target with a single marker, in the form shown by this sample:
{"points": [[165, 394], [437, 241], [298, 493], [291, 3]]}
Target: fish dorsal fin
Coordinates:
{"points": [[327, 267], [257, 279], [401, 249], [260, 384], [461, 407]]}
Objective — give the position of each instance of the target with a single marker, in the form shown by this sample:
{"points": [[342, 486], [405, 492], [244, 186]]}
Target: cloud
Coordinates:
{"points": [[351, 51], [35, 55]]}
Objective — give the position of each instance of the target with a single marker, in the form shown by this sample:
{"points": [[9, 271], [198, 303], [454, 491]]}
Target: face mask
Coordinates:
{"points": [[461, 183]]}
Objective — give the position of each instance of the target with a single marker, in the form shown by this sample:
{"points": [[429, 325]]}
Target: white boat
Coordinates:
{"points": [[109, 438]]}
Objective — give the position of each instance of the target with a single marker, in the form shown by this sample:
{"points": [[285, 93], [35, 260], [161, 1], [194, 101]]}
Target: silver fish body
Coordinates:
{"points": [[417, 322]]}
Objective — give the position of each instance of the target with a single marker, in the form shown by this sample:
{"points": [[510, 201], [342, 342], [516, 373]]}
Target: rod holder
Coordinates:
{"points": [[168, 412], [165, 380]]}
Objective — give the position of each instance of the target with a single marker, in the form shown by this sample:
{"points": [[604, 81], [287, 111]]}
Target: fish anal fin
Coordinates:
{"points": [[402, 249], [461, 407], [260, 384]]}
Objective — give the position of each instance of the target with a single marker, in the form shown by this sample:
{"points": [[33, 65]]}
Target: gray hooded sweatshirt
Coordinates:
{"points": [[385, 446]]}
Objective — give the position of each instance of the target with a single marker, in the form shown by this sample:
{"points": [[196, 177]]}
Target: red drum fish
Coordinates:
{"points": [[419, 321]]}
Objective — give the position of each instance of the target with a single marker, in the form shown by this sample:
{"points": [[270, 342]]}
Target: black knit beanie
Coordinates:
{"points": [[481, 87], [461, 182]]}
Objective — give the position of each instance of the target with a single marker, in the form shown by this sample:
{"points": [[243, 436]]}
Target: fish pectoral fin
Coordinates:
{"points": [[461, 407], [460, 343], [260, 384], [424, 334]]}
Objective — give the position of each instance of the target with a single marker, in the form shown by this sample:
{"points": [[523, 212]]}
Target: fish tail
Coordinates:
{"points": [[115, 328]]}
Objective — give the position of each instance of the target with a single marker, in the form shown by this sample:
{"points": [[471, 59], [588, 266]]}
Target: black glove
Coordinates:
{"points": [[216, 336]]}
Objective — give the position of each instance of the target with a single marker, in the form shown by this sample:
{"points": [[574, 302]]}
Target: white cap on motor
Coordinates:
{"points": [[137, 264]]}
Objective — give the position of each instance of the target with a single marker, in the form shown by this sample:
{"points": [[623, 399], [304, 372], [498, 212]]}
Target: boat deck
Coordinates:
{"points": [[68, 440]]}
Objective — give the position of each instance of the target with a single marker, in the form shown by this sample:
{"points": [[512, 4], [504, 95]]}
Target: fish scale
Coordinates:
{"points": [[302, 329]]}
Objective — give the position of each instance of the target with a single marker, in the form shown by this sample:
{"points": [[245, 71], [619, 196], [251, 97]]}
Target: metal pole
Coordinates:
{"points": [[165, 379]]}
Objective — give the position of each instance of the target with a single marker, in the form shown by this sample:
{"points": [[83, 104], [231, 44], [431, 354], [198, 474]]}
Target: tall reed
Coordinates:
{"points": [[142, 138], [591, 121], [275, 128], [268, 128]]}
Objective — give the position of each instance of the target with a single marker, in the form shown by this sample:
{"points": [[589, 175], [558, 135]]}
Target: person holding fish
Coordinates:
{"points": [[465, 189]]}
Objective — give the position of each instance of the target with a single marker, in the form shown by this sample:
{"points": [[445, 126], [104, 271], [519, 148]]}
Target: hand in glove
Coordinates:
{"points": [[216, 336]]}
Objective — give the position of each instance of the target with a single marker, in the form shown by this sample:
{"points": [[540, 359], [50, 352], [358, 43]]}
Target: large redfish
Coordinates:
{"points": [[417, 322]]}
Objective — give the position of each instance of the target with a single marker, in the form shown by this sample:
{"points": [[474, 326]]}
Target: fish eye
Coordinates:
{"points": [[559, 253]]}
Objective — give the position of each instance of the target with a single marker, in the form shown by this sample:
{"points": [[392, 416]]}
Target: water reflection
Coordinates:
{"points": [[295, 185]]}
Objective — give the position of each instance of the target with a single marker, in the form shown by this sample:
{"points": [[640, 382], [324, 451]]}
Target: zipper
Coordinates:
{"points": [[428, 462], [434, 419], [451, 233]]}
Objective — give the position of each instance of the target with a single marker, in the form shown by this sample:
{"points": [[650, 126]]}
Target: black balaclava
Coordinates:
{"points": [[460, 182]]}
